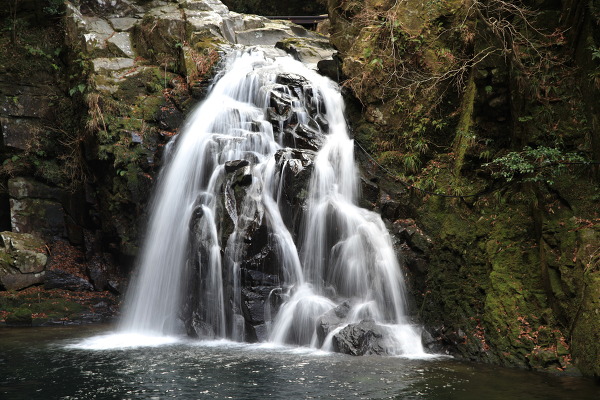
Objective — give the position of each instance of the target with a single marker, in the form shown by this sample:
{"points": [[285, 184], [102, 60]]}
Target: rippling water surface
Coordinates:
{"points": [[84, 363]]}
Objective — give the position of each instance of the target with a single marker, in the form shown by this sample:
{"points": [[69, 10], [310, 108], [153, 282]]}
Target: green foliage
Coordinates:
{"points": [[539, 164], [78, 89], [595, 52], [50, 57], [54, 8]]}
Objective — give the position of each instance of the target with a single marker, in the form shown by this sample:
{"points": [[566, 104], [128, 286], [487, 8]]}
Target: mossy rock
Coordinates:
{"points": [[21, 317]]}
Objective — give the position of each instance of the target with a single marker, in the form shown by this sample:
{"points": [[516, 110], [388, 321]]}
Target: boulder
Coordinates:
{"points": [[309, 50], [20, 317], [364, 338], [100, 271], [20, 281], [266, 36], [57, 279], [331, 320], [232, 166], [22, 260]]}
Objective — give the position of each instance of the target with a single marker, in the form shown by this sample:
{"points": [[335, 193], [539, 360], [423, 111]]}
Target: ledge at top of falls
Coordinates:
{"points": [[120, 35]]}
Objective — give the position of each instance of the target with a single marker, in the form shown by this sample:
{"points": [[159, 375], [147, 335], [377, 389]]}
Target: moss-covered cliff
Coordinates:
{"points": [[487, 110]]}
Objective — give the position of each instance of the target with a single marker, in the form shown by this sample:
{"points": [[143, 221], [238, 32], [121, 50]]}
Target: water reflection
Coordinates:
{"points": [[43, 364]]}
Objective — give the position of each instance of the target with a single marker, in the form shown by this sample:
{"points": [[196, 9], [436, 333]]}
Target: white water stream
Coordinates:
{"points": [[342, 252]]}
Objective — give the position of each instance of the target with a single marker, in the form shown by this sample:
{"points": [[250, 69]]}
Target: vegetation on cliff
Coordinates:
{"points": [[487, 111]]}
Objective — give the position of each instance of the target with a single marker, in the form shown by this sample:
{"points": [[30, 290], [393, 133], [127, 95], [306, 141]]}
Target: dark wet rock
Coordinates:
{"points": [[201, 329], [260, 254], [331, 320], [231, 166], [115, 287], [431, 343], [389, 207], [243, 176], [280, 106], [100, 270], [170, 118], [303, 137], [57, 279], [330, 68], [37, 215], [293, 80], [360, 339], [253, 301], [370, 192], [408, 231], [261, 332], [252, 277], [322, 122], [296, 166], [18, 133]]}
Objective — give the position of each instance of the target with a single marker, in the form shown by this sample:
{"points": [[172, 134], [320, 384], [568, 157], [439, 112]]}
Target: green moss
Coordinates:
{"points": [[20, 316], [464, 136]]}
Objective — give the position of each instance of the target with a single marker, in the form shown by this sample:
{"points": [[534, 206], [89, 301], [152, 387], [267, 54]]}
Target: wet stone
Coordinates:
{"points": [[252, 277], [322, 122], [232, 166], [331, 320], [57, 279], [253, 306], [360, 339], [280, 102], [243, 176]]}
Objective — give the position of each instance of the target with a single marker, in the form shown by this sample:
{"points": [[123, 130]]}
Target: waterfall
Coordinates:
{"points": [[255, 232]]}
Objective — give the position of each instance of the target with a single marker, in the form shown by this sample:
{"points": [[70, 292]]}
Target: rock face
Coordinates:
{"points": [[22, 260]]}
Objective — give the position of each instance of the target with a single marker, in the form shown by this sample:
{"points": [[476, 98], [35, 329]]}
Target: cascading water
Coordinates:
{"points": [[253, 239]]}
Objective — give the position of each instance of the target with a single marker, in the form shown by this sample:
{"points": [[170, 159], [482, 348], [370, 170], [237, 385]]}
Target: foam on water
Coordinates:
{"points": [[124, 341]]}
